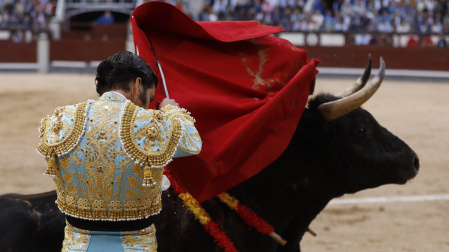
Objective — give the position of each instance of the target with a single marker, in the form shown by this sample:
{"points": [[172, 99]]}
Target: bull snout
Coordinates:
{"points": [[416, 163], [412, 170], [407, 166]]}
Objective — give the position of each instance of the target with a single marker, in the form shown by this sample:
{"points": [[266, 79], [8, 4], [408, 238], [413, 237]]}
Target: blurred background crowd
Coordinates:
{"points": [[359, 17], [387, 16], [27, 17]]}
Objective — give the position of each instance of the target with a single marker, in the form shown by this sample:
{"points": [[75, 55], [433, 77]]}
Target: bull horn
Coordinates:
{"points": [[332, 110], [361, 81]]}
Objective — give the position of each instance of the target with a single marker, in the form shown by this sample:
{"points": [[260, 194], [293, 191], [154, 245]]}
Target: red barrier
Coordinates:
{"points": [[415, 58], [18, 52], [81, 50]]}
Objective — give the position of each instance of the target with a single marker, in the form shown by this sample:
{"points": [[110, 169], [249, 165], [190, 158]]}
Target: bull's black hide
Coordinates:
{"points": [[30, 223], [324, 160]]}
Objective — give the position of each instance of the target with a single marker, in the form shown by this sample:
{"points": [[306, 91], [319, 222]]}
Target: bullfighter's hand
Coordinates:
{"points": [[167, 101]]}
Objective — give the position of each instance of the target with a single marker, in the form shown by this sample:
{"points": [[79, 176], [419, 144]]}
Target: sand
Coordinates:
{"points": [[415, 111]]}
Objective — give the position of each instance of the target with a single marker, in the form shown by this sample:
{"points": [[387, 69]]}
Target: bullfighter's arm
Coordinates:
{"points": [[190, 142]]}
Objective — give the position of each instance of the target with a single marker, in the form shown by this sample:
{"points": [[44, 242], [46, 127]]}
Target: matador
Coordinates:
{"points": [[107, 157]]}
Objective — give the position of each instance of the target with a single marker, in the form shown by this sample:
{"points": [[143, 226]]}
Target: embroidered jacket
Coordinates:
{"points": [[107, 156]]}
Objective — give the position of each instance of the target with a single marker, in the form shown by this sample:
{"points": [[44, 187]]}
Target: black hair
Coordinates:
{"points": [[121, 68]]}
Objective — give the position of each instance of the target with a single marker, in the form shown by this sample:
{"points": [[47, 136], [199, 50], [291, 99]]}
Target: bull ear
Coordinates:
{"points": [[332, 110], [361, 81]]}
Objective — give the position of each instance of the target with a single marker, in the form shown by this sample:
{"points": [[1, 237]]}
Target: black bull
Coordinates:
{"points": [[330, 154]]}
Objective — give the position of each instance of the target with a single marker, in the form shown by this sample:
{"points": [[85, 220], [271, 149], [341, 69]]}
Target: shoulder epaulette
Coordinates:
{"points": [[147, 159], [52, 150]]}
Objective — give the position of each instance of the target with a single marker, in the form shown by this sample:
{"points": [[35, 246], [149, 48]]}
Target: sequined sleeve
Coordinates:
{"points": [[190, 143]]}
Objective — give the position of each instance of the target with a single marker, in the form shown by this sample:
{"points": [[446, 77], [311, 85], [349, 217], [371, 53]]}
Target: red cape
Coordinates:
{"points": [[245, 88]]}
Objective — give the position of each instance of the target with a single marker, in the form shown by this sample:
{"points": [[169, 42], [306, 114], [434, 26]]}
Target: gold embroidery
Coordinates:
{"points": [[188, 143], [133, 182], [99, 208], [173, 111], [142, 240], [148, 158], [57, 126], [97, 180], [52, 165], [51, 150], [44, 125], [257, 72], [152, 132], [148, 179], [75, 239], [68, 178], [158, 115], [144, 117], [188, 140], [196, 137]]}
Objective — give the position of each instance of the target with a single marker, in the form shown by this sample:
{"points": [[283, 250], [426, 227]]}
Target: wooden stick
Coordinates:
{"points": [[312, 232], [277, 238], [282, 241]]}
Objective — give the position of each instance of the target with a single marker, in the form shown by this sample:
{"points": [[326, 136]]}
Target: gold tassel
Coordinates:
{"points": [[52, 163], [148, 179]]}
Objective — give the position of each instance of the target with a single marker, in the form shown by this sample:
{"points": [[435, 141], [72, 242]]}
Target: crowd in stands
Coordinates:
{"points": [[370, 20], [355, 16], [26, 18]]}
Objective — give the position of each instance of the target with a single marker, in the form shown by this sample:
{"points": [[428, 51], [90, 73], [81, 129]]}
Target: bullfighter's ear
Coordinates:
{"points": [[137, 51], [312, 86]]}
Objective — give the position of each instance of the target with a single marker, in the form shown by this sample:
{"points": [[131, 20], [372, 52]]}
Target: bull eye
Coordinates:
{"points": [[361, 131]]}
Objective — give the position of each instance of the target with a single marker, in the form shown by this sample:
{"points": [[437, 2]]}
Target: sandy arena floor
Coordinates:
{"points": [[415, 111]]}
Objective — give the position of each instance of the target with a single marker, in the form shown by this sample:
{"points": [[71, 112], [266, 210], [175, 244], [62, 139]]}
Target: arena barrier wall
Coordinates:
{"points": [[86, 51], [18, 52], [80, 53], [411, 58]]}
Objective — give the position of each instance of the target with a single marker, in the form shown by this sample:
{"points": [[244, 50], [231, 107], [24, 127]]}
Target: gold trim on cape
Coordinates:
{"points": [[151, 159]]}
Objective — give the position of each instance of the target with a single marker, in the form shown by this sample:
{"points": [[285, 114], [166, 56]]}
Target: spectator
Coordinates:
{"points": [[372, 26], [385, 27], [319, 7], [353, 26], [17, 37], [359, 8], [397, 18], [362, 39], [374, 40], [366, 19], [304, 25], [442, 42], [50, 9], [412, 40], [106, 19], [341, 26], [426, 41], [211, 15], [328, 22], [19, 9], [336, 6], [266, 7], [403, 27], [384, 40], [295, 15], [419, 21], [446, 23], [437, 27], [346, 9], [275, 17], [316, 21]]}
